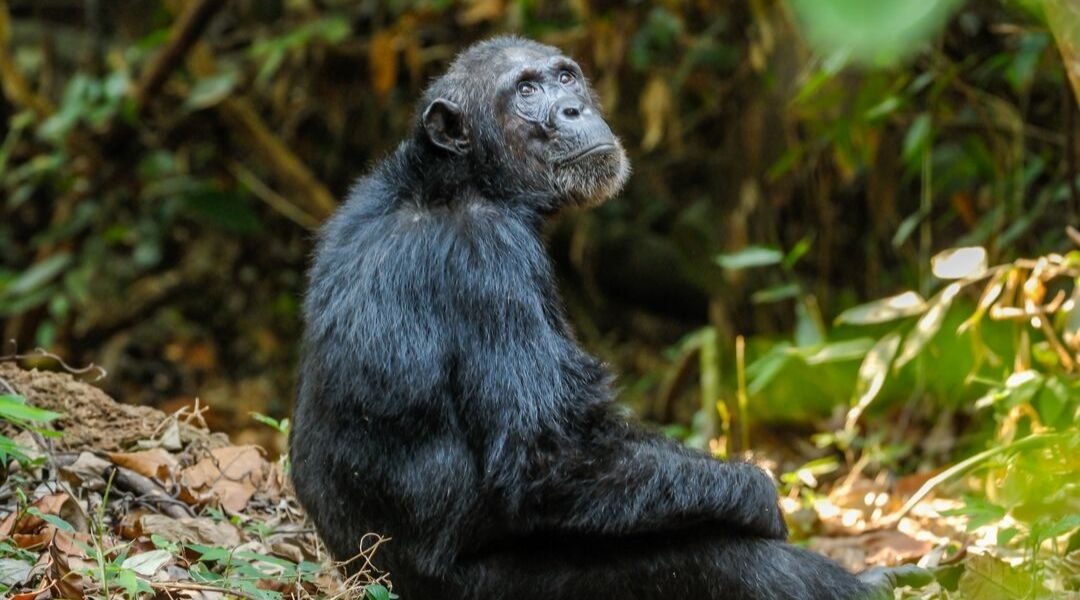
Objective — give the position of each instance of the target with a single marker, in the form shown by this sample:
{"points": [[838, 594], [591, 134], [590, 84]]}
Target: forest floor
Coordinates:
{"points": [[129, 501]]}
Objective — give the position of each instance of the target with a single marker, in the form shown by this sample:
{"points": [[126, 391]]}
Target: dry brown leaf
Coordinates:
{"points": [[87, 472], [63, 576], [655, 107], [230, 476], [191, 530], [23, 522], [482, 10], [155, 463], [382, 59], [882, 547]]}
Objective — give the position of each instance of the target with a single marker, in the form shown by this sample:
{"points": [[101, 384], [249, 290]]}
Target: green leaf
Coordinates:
{"points": [[978, 511], [884, 310], [876, 33], [798, 251], [776, 293], [224, 209], [836, 351], [127, 580], [211, 91], [376, 592], [988, 578], [762, 371], [928, 325], [883, 108], [38, 274], [16, 408], [918, 137], [750, 257], [53, 520], [872, 373], [907, 227], [809, 326]]}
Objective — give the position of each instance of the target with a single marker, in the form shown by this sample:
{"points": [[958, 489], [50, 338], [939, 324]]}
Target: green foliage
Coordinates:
{"points": [[15, 410], [879, 32]]}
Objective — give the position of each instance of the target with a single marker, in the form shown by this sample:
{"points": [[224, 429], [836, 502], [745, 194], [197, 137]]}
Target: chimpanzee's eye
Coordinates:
{"points": [[527, 88], [566, 78]]}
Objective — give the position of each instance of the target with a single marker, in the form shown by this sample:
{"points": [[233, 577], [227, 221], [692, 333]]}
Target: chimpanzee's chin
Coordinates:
{"points": [[594, 178]]}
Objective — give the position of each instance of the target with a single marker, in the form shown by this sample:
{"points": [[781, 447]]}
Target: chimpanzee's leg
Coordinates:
{"points": [[697, 567]]}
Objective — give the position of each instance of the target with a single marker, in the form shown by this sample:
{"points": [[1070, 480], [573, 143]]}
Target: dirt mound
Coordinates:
{"points": [[91, 419]]}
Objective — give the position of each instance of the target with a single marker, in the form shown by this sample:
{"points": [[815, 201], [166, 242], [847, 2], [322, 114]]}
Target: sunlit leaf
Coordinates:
{"points": [[836, 351], [872, 373], [989, 578], [15, 407], [884, 310], [959, 263], [989, 296], [978, 511], [749, 257], [928, 325]]}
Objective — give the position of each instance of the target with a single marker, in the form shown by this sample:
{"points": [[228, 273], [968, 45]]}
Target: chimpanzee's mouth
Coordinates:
{"points": [[590, 151]]}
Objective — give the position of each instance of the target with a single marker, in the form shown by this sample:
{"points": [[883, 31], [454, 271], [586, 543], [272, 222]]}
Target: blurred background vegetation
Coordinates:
{"points": [[163, 166]]}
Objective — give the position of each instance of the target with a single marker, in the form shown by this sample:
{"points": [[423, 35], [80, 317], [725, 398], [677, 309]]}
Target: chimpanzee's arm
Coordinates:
{"points": [[624, 480]]}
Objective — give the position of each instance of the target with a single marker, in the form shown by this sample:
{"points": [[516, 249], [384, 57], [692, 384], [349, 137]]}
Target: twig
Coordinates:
{"points": [[274, 200], [144, 486], [183, 35], [43, 353], [966, 465], [245, 121], [1073, 233], [199, 587]]}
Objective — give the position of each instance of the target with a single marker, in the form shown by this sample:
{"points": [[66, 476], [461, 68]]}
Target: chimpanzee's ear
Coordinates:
{"points": [[445, 126]]}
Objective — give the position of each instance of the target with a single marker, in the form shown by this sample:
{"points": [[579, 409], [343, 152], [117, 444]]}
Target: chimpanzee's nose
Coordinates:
{"points": [[566, 111]]}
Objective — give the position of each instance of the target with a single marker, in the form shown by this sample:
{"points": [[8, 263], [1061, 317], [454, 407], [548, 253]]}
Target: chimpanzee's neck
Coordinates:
{"points": [[431, 177]]}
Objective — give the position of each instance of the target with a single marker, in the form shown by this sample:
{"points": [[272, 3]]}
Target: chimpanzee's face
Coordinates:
{"points": [[527, 112], [551, 120]]}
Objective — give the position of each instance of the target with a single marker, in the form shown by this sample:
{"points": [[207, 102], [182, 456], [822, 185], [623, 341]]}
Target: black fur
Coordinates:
{"points": [[443, 401]]}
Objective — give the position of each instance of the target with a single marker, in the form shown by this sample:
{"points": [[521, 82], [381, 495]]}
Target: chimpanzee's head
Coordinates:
{"points": [[518, 119]]}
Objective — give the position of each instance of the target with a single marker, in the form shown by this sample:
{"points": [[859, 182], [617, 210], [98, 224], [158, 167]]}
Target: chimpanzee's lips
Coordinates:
{"points": [[591, 150]]}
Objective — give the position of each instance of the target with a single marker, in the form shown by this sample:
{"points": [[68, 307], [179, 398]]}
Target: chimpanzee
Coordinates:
{"points": [[444, 402]]}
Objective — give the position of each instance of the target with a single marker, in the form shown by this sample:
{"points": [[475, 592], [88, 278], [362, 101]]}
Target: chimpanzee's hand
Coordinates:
{"points": [[882, 580]]}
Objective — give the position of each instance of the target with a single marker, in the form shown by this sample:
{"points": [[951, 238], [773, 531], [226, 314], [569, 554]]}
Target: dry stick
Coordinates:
{"points": [[742, 397], [311, 195], [242, 117], [200, 587], [1074, 234], [144, 486], [183, 35], [274, 200]]}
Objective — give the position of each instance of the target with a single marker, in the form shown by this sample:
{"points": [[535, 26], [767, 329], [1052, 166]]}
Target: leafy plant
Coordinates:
{"points": [[15, 410]]}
